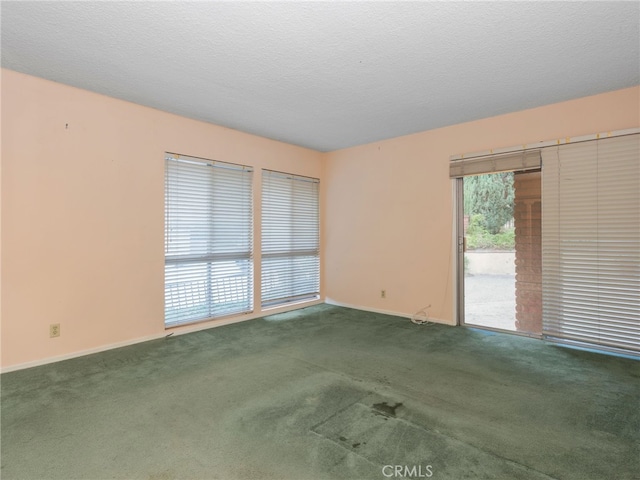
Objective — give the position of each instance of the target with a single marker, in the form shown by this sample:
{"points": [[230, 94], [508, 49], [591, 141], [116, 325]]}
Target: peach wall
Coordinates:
{"points": [[389, 204], [82, 213]]}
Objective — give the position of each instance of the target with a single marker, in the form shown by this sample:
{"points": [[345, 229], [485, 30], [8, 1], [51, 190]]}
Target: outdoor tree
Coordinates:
{"points": [[490, 196]]}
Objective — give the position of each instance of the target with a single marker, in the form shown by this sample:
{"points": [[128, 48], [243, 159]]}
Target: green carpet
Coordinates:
{"points": [[326, 392]]}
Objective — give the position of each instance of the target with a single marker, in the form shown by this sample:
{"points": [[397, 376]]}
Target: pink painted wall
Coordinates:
{"points": [[83, 213], [82, 210], [389, 205]]}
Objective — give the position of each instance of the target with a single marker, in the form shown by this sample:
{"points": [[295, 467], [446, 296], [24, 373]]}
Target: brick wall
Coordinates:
{"points": [[528, 224]]}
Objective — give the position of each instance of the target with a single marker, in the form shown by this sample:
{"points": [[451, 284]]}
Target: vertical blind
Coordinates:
{"points": [[591, 242], [208, 239], [290, 238]]}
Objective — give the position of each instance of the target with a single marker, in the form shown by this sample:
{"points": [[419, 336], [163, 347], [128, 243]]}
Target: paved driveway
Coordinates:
{"points": [[490, 300]]}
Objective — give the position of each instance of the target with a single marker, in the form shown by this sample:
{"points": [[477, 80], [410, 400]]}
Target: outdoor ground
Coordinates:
{"points": [[490, 300]]}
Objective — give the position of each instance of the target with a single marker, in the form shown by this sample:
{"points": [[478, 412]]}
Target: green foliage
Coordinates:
{"points": [[492, 197], [504, 240], [478, 237], [476, 224]]}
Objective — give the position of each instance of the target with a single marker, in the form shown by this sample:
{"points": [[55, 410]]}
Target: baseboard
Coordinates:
{"points": [[202, 326], [81, 353], [330, 301], [180, 330]]}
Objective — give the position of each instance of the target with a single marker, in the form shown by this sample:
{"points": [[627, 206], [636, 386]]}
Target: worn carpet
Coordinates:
{"points": [[326, 393]]}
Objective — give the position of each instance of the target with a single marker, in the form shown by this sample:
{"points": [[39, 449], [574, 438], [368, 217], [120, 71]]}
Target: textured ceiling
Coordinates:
{"points": [[328, 75]]}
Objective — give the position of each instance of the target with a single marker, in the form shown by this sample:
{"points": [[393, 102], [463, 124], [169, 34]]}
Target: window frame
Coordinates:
{"points": [[208, 239], [290, 249]]}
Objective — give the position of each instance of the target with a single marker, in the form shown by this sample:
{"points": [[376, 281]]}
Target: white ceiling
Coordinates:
{"points": [[329, 75]]}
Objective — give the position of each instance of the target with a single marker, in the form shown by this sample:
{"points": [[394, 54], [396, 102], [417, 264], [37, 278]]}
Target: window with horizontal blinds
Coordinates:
{"points": [[290, 238], [509, 162], [208, 239], [591, 242]]}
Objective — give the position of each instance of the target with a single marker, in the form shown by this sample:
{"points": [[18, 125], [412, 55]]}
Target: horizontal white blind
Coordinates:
{"points": [[508, 162], [290, 238], [591, 242], [208, 239]]}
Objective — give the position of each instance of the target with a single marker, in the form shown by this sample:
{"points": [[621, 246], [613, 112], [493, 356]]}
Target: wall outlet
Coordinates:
{"points": [[54, 330], [383, 294]]}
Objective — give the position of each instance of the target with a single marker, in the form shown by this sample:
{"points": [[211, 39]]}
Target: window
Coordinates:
{"points": [[208, 239], [290, 239], [591, 243]]}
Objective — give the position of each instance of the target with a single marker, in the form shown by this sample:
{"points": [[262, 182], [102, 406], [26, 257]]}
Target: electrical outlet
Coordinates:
{"points": [[54, 330], [383, 294]]}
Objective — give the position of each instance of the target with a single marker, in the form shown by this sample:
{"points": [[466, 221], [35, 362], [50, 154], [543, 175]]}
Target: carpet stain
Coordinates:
{"points": [[383, 408]]}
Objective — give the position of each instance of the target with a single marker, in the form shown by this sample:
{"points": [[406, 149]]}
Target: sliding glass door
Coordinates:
{"points": [[551, 248], [501, 256], [489, 253]]}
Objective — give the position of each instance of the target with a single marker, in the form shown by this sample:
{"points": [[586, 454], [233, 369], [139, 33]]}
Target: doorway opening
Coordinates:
{"points": [[501, 254]]}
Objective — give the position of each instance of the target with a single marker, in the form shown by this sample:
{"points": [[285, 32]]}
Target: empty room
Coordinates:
{"points": [[320, 240]]}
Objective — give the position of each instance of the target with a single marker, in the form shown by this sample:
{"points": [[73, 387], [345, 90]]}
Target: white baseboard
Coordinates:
{"points": [[202, 326], [330, 301], [80, 353], [180, 330]]}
